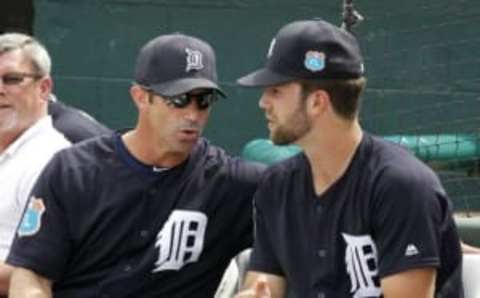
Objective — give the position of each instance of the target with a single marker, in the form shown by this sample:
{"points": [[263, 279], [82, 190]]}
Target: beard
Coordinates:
{"points": [[295, 126]]}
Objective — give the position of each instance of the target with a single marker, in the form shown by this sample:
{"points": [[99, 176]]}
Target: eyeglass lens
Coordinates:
{"points": [[17, 78]]}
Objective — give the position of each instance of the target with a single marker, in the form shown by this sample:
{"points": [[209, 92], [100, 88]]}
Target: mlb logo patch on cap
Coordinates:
{"points": [[314, 61]]}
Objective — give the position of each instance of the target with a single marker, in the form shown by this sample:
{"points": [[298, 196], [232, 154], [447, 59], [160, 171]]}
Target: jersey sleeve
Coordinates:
{"points": [[19, 200], [41, 242], [410, 211], [247, 175], [263, 258]]}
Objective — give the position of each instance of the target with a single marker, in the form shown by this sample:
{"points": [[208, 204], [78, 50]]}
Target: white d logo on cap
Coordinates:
{"points": [[194, 60]]}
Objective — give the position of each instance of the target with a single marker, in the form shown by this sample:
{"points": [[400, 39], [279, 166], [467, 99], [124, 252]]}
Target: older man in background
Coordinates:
{"points": [[27, 137]]}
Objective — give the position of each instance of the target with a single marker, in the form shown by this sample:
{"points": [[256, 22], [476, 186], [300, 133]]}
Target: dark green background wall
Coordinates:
{"points": [[421, 56], [94, 44]]}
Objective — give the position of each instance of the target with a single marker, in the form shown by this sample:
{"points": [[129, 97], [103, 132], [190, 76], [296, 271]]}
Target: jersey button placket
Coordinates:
{"points": [[318, 208], [152, 192], [322, 253], [144, 233]]}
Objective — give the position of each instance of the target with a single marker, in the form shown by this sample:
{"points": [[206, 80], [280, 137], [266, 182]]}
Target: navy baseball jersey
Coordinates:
{"points": [[386, 214], [102, 224]]}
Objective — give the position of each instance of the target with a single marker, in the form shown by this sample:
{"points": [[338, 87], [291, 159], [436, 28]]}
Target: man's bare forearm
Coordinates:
{"points": [[5, 274], [27, 284]]}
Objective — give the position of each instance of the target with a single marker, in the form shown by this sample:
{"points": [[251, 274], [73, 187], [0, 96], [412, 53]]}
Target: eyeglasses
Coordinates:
{"points": [[204, 100], [16, 78]]}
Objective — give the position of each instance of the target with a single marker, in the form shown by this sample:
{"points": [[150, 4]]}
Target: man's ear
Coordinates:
{"points": [[46, 86], [139, 96], [318, 102]]}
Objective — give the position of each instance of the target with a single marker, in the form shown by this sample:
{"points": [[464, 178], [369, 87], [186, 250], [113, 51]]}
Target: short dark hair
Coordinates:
{"points": [[344, 94]]}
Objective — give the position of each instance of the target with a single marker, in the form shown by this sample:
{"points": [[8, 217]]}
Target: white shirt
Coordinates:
{"points": [[20, 165]]}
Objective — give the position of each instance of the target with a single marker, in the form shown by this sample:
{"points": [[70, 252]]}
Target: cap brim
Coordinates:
{"points": [[181, 86], [263, 78]]}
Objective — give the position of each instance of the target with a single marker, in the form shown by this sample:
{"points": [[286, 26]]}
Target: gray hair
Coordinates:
{"points": [[30, 47]]}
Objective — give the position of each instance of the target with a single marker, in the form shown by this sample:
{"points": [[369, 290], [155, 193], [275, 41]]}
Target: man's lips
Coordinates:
{"points": [[269, 119], [190, 133], [5, 106]]}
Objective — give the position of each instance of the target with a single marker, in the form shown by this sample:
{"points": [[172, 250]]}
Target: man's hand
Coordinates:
{"points": [[260, 289]]}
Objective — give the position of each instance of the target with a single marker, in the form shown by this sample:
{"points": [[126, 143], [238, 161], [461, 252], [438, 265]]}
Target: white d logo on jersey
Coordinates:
{"points": [[181, 240], [361, 260]]}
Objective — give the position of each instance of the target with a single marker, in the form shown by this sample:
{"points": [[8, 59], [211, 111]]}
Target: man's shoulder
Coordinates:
{"points": [[391, 166], [393, 160], [212, 157], [87, 153], [51, 138], [287, 167], [40, 145]]}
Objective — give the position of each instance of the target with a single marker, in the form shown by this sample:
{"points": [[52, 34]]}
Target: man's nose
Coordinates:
{"points": [[263, 102], [192, 111]]}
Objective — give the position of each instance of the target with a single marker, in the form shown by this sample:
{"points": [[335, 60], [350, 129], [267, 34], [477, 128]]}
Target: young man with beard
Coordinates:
{"points": [[155, 211], [353, 215]]}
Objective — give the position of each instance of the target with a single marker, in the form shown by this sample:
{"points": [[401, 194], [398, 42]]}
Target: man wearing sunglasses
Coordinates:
{"points": [[27, 137], [155, 211]]}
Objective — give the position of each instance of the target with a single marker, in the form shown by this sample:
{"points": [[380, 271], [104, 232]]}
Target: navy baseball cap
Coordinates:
{"points": [[174, 64], [308, 50]]}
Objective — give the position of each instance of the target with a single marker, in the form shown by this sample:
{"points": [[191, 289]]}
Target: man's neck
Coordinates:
{"points": [[150, 153], [5, 141], [9, 137], [331, 153]]}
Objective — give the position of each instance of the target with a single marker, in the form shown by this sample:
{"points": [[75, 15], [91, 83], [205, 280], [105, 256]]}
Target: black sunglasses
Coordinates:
{"points": [[16, 78], [204, 100]]}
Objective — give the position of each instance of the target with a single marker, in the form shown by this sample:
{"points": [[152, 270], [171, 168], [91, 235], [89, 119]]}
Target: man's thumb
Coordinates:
{"points": [[262, 290]]}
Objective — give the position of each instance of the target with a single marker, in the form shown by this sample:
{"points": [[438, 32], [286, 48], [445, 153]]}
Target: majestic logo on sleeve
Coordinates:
{"points": [[361, 261], [411, 250], [181, 240], [194, 60], [32, 219]]}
